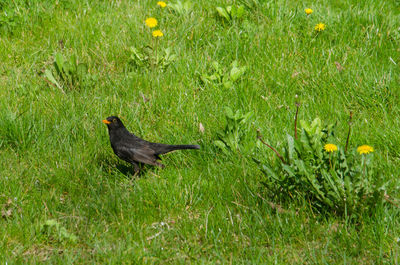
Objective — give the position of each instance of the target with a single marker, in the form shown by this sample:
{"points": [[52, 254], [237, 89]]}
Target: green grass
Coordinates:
{"points": [[204, 207]]}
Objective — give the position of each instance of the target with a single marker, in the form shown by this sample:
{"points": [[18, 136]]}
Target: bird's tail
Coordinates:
{"points": [[169, 148], [184, 146]]}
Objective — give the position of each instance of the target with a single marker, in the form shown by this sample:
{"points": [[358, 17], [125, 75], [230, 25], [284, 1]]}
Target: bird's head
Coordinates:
{"points": [[113, 122]]}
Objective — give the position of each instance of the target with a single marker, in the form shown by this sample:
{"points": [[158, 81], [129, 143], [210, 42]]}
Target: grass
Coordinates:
{"points": [[204, 207]]}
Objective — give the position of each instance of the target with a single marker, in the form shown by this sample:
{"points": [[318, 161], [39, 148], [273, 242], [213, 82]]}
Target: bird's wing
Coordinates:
{"points": [[141, 154]]}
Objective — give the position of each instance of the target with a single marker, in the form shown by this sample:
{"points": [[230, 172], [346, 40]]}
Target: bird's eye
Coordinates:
{"points": [[114, 120]]}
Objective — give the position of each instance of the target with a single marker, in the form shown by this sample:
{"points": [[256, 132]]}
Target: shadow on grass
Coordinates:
{"points": [[128, 171]]}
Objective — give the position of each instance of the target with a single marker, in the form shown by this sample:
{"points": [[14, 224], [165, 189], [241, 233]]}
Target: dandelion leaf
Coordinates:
{"points": [[223, 13], [50, 77]]}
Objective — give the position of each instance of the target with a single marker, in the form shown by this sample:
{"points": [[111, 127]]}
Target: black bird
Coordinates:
{"points": [[135, 150]]}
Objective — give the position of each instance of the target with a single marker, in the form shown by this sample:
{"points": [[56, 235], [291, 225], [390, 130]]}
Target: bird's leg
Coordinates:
{"points": [[159, 164], [136, 168]]}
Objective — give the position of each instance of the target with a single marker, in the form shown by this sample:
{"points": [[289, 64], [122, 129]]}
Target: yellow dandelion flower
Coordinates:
{"points": [[330, 148], [365, 149], [162, 4], [157, 33], [308, 11], [320, 27], [151, 22]]}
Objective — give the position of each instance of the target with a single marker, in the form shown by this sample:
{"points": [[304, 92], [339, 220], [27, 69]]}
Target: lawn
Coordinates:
{"points": [[65, 198]]}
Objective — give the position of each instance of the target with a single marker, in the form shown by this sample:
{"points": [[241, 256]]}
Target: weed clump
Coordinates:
{"points": [[330, 178], [68, 73], [235, 136]]}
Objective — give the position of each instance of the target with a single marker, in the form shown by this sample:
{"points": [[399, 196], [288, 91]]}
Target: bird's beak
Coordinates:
{"points": [[106, 121]]}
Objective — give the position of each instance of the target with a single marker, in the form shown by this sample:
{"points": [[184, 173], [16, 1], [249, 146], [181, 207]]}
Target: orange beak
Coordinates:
{"points": [[106, 121]]}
